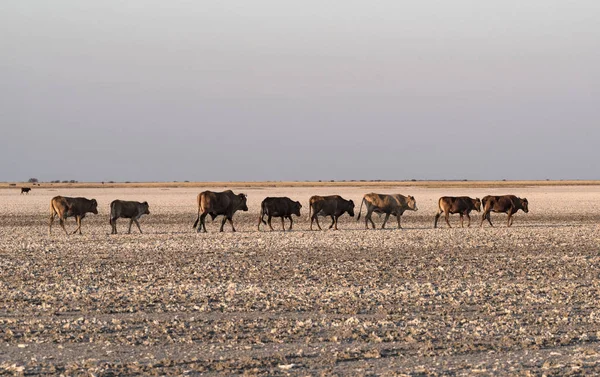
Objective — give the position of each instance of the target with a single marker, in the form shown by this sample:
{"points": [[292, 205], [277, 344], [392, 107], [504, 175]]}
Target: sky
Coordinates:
{"points": [[149, 90]]}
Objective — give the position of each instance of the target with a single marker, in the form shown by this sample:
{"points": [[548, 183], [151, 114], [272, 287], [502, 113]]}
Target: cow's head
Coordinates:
{"points": [[477, 204], [243, 198], [411, 203], [296, 208], [350, 208], [145, 208], [94, 206], [525, 205]]}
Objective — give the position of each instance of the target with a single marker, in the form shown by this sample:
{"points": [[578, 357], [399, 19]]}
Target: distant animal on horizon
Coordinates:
{"points": [[333, 206], [25, 190], [224, 203], [283, 207], [509, 204], [66, 207], [462, 205], [129, 210], [395, 204]]}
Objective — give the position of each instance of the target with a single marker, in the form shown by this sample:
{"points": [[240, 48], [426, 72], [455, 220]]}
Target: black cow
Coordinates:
{"points": [[128, 210], [25, 190], [283, 207], [333, 206]]}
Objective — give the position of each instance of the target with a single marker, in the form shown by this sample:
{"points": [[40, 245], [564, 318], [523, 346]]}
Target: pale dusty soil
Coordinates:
{"points": [[417, 301]]}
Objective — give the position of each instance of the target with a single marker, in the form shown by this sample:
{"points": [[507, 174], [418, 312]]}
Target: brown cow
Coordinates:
{"points": [[333, 206], [394, 204], [462, 205], [224, 203], [128, 210], [278, 207], [508, 204], [71, 207]]}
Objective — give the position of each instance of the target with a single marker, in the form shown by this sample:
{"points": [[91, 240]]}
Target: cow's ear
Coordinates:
{"points": [[146, 203]]}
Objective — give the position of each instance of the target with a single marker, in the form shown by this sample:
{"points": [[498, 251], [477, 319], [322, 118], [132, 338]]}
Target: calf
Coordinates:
{"points": [[278, 207], [395, 204], [508, 204], [25, 190], [333, 206], [71, 207], [462, 205], [224, 203], [128, 210]]}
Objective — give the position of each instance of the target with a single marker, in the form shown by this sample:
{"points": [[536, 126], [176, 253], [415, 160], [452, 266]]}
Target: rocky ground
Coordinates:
{"points": [[418, 301]]}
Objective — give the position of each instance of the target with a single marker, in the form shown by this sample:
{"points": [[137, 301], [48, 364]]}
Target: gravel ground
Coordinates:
{"points": [[418, 301]]}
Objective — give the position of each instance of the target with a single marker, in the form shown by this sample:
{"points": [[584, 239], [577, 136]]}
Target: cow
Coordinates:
{"points": [[71, 207], [283, 207], [508, 204], [462, 205], [394, 204], [128, 210], [25, 190], [224, 203], [333, 206]]}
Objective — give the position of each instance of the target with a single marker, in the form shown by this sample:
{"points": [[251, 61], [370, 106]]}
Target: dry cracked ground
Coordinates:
{"points": [[418, 301]]}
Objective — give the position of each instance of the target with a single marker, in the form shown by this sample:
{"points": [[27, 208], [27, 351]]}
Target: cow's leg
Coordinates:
{"points": [[283, 223], [333, 222], [138, 225], [130, 224], [78, 219], [437, 217], [387, 216], [447, 217], [509, 220], [336, 222], [202, 226], [468, 218], [223, 223], [231, 222], [113, 225], [260, 220], [489, 218], [317, 221], [461, 220], [398, 216], [291, 222], [269, 222], [369, 218]]}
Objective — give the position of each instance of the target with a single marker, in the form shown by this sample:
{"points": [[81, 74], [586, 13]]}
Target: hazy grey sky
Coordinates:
{"points": [[145, 90]]}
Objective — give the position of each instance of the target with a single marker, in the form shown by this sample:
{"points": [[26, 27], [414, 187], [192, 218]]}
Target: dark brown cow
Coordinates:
{"points": [[333, 206], [508, 204], [283, 207], [462, 205], [224, 203], [128, 210], [25, 190], [394, 204], [71, 207]]}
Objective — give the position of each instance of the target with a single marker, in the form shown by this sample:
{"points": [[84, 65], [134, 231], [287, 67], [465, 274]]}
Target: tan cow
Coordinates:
{"points": [[394, 204], [462, 205], [224, 203], [71, 207]]}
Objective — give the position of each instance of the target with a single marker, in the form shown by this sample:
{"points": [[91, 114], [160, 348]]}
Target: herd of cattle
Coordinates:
{"points": [[227, 203]]}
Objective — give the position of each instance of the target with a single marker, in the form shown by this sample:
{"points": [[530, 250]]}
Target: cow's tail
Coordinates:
{"points": [[309, 210], [198, 218], [361, 204], [263, 212]]}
